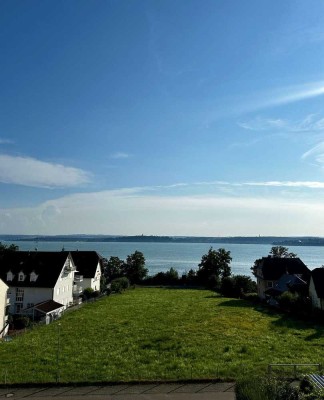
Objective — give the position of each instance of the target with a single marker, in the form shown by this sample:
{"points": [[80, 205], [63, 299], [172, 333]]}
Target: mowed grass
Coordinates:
{"points": [[159, 334]]}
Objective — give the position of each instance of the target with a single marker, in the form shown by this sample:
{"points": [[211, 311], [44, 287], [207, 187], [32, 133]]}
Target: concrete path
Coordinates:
{"points": [[161, 391]]}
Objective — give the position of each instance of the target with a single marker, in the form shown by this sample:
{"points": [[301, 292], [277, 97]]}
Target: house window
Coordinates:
{"points": [[18, 307], [21, 277], [33, 277], [9, 276], [19, 295], [30, 305], [269, 284]]}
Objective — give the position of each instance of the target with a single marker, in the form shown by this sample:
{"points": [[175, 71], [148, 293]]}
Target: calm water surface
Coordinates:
{"points": [[181, 256]]}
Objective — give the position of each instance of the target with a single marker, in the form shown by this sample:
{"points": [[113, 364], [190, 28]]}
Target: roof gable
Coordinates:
{"points": [[47, 265], [86, 262], [274, 267]]}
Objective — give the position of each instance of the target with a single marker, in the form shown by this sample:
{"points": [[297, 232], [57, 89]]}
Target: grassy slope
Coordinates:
{"points": [[152, 334]]}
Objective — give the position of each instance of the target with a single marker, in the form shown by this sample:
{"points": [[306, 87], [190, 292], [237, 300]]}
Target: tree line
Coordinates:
{"points": [[214, 272]]}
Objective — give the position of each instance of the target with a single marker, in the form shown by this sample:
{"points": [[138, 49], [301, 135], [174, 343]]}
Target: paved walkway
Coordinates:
{"points": [[161, 391]]}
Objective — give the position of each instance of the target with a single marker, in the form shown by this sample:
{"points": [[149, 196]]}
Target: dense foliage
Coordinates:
{"points": [[10, 247], [133, 268], [213, 266]]}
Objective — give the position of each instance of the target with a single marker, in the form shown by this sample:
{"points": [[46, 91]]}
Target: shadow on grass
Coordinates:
{"points": [[296, 323], [236, 303]]}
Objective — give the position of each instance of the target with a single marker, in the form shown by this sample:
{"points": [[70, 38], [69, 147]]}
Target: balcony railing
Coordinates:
{"points": [[78, 278], [77, 290]]}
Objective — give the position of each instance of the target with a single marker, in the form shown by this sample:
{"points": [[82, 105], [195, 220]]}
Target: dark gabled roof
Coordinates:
{"points": [[318, 279], [86, 262], [48, 306], [274, 267], [46, 264]]}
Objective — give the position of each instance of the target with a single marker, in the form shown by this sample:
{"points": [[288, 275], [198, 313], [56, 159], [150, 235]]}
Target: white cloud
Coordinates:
{"points": [[141, 210], [292, 184], [119, 155], [28, 171]]}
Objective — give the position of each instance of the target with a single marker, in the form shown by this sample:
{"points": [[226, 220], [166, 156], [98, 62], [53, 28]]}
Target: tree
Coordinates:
{"points": [[134, 268], [11, 247], [237, 286], [215, 263], [114, 268], [281, 252]]}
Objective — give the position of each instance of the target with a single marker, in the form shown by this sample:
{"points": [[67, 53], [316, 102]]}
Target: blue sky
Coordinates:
{"points": [[164, 117]]}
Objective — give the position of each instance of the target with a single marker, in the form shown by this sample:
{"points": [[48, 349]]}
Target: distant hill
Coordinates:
{"points": [[273, 240]]}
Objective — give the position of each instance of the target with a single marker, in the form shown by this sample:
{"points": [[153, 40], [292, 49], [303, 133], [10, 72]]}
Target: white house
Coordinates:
{"points": [[316, 288], [88, 269], [4, 302], [35, 277]]}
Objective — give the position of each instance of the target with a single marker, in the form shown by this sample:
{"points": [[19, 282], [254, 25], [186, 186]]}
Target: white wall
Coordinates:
{"points": [[316, 302], [31, 296], [64, 288], [93, 283], [3, 304]]}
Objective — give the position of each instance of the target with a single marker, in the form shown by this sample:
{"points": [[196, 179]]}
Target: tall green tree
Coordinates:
{"points": [[216, 263], [281, 252], [134, 268], [114, 268]]}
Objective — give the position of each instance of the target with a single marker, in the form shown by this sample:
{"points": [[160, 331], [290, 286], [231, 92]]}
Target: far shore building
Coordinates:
{"points": [[270, 270], [88, 266], [4, 303], [37, 277]]}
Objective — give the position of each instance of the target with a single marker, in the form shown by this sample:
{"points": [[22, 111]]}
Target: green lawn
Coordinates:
{"points": [[153, 334]]}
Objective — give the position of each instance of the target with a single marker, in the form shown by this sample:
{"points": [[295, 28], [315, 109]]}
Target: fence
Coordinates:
{"points": [[294, 366]]}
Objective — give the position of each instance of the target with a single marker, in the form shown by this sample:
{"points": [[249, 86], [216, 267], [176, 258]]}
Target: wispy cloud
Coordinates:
{"points": [[310, 123], [291, 184], [6, 141], [292, 94], [119, 155], [315, 154], [29, 171]]}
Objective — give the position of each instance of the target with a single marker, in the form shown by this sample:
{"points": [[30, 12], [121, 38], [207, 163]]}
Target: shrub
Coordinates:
{"points": [[170, 277], [87, 293], [289, 301], [237, 286], [265, 389], [119, 284], [21, 322]]}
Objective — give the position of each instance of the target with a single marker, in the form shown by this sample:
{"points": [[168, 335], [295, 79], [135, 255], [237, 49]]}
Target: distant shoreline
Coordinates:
{"points": [[272, 240]]}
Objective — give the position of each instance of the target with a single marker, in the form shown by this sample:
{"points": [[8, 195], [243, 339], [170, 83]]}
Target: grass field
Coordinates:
{"points": [[155, 334]]}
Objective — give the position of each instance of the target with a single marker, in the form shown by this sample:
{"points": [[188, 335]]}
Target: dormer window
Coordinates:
{"points": [[33, 277], [9, 276], [21, 276]]}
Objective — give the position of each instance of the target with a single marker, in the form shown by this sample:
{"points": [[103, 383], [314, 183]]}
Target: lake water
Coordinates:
{"points": [[181, 256]]}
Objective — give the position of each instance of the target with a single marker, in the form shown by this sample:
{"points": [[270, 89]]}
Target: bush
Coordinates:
{"points": [[21, 322], [119, 284], [265, 389], [289, 301], [237, 286], [168, 278], [87, 293]]}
